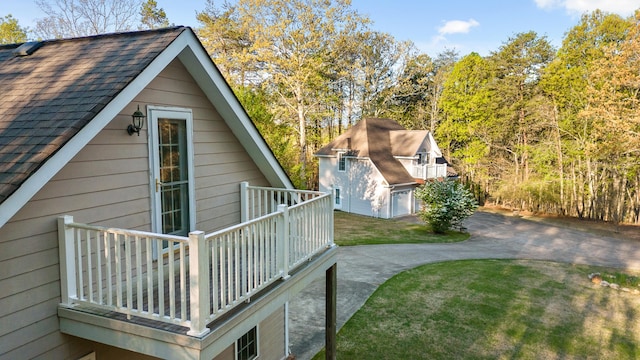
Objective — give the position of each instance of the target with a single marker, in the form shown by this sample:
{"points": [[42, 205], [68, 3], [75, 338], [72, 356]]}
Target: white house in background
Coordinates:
{"points": [[374, 167], [180, 237]]}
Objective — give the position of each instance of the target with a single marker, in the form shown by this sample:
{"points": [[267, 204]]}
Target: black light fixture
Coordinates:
{"points": [[136, 122]]}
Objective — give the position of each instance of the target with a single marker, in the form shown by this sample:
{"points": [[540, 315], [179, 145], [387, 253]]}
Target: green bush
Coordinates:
{"points": [[445, 204]]}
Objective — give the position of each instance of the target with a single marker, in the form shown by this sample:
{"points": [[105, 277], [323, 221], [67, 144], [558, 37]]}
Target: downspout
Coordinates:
{"points": [[390, 201]]}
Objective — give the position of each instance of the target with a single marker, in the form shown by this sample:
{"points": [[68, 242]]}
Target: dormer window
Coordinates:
{"points": [[342, 162], [422, 158]]}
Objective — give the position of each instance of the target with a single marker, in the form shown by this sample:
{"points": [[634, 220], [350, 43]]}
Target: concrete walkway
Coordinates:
{"points": [[361, 269]]}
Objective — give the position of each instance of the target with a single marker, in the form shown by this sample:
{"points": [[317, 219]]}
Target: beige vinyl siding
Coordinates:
{"points": [[107, 183], [271, 336], [228, 353], [270, 339]]}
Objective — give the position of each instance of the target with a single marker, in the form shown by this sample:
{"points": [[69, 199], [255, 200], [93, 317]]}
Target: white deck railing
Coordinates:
{"points": [[205, 275], [430, 171]]}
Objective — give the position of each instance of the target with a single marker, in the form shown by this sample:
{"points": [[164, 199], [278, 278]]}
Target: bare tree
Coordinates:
{"points": [[72, 18]]}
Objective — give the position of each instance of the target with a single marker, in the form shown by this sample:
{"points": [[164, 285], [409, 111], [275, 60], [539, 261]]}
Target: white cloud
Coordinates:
{"points": [[457, 27], [548, 4], [620, 7]]}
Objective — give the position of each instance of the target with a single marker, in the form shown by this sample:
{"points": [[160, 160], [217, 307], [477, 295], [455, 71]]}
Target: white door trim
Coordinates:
{"points": [[153, 114]]}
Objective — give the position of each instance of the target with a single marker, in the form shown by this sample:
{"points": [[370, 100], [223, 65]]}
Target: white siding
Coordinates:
{"points": [[364, 190]]}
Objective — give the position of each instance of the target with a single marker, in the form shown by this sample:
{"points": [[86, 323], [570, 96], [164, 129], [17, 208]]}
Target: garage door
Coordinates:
{"points": [[401, 203]]}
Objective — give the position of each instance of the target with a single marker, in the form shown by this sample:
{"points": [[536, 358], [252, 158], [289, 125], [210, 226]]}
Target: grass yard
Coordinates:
{"points": [[352, 229], [494, 309]]}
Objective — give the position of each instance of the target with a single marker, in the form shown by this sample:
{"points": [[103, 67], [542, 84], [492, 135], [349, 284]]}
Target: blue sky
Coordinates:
{"points": [[433, 25]]}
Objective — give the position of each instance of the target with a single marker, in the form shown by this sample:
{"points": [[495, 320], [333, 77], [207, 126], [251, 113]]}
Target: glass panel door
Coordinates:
{"points": [[174, 176], [171, 149]]}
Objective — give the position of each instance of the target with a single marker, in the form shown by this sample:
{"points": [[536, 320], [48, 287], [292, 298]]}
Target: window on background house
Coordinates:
{"points": [[342, 162], [247, 345]]}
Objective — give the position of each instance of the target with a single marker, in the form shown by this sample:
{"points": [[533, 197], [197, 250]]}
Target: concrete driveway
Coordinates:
{"points": [[361, 269]]}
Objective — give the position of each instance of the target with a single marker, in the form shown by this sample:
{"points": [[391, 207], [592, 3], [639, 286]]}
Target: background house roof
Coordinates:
{"points": [[372, 138], [48, 96], [408, 142]]}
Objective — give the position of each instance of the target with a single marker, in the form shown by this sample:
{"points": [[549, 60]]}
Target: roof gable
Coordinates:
{"points": [[59, 97], [409, 142]]}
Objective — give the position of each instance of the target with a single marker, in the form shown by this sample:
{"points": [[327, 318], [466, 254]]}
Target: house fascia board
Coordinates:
{"points": [[57, 161], [400, 185], [219, 93], [406, 157], [434, 146]]}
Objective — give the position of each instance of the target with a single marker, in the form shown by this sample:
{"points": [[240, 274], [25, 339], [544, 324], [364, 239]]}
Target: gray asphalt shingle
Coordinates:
{"points": [[50, 95]]}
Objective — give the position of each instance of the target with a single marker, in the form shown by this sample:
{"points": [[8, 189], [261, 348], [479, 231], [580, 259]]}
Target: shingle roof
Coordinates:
{"points": [[48, 96], [378, 139]]}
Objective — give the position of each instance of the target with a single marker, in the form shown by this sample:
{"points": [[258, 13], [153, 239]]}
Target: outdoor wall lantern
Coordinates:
{"points": [[136, 122]]}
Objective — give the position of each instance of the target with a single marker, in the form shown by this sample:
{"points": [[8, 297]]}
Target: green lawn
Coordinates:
{"points": [[494, 309], [351, 229]]}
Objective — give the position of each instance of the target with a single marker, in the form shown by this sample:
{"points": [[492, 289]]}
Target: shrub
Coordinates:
{"points": [[445, 204]]}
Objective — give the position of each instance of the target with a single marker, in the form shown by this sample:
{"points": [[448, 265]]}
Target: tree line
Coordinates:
{"points": [[549, 130], [529, 126]]}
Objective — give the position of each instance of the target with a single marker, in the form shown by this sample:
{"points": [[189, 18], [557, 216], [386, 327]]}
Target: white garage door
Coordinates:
{"points": [[401, 203]]}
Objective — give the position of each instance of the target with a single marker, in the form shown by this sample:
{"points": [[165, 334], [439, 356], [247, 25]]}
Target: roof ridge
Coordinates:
{"points": [[105, 35]]}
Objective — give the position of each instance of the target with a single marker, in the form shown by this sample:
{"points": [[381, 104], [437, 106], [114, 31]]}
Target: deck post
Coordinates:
{"points": [[330, 309], [283, 240], [244, 201], [66, 250], [198, 284]]}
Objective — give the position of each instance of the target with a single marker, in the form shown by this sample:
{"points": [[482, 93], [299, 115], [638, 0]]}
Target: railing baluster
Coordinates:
{"points": [[89, 266], [139, 289], [215, 271], [80, 267], [229, 270], [149, 260], [99, 268], [118, 260], [222, 269], [236, 267], [183, 282], [128, 270], [243, 263], [109, 276], [160, 265], [172, 283], [250, 249]]}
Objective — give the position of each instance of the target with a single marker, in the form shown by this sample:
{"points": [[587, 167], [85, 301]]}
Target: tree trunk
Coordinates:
{"points": [[560, 159], [302, 125]]}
